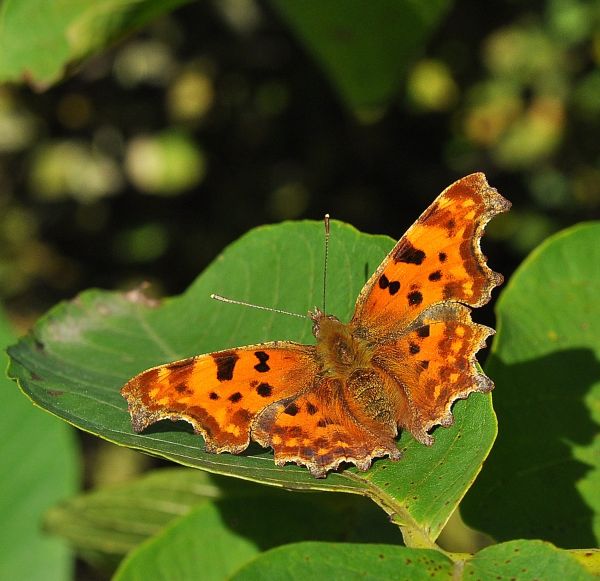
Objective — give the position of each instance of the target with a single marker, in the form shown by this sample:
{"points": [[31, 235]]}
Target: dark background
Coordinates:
{"points": [[147, 161]]}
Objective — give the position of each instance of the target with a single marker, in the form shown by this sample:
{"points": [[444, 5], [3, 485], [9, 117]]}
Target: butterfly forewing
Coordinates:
{"points": [[438, 259], [220, 393]]}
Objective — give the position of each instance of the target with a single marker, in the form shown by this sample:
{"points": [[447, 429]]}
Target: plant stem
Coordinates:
{"points": [[414, 535]]}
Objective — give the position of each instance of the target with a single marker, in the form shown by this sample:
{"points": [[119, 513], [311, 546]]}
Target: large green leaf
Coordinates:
{"points": [[38, 39], [522, 560], [311, 560], [105, 524], [82, 352], [543, 476], [364, 47], [38, 462]]}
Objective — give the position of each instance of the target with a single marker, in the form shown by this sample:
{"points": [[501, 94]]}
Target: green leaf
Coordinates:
{"points": [[216, 538], [364, 47], [105, 524], [81, 353], [311, 560], [39, 39], [522, 560], [199, 545], [543, 476], [38, 461]]}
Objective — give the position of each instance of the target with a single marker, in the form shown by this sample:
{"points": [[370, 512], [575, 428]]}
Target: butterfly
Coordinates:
{"points": [[405, 357]]}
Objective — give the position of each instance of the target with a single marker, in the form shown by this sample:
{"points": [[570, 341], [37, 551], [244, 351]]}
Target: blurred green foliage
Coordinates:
{"points": [[145, 163], [40, 463]]}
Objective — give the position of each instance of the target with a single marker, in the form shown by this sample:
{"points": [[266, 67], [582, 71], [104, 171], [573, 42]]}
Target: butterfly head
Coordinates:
{"points": [[319, 318]]}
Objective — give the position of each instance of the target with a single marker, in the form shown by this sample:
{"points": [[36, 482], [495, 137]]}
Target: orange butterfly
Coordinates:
{"points": [[407, 354]]}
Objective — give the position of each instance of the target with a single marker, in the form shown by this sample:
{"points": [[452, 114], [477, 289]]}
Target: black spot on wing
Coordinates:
{"points": [[435, 275], [414, 348], [262, 366], [213, 395], [415, 298], [291, 410], [235, 397], [406, 252], [384, 283], [264, 389], [311, 408], [442, 256], [423, 331], [225, 362], [394, 287]]}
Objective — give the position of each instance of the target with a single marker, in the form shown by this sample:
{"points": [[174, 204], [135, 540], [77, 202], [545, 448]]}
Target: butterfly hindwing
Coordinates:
{"points": [[433, 365], [316, 429]]}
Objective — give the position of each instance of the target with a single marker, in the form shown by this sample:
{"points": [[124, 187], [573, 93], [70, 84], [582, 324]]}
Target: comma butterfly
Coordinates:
{"points": [[407, 354]]}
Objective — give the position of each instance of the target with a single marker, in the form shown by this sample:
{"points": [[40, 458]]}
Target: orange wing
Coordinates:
{"points": [[438, 259], [221, 393], [433, 364], [318, 430]]}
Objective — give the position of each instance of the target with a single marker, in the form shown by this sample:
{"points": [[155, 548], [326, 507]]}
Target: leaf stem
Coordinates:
{"points": [[414, 535]]}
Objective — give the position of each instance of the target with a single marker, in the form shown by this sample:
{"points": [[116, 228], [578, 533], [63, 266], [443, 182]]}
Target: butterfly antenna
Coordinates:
{"points": [[260, 307], [326, 222]]}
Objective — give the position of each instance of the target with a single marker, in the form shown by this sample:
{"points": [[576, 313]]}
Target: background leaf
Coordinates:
{"points": [[364, 47], [39, 465], [216, 538], [522, 560], [82, 352], [105, 524], [39, 39], [525, 560], [543, 476], [312, 560]]}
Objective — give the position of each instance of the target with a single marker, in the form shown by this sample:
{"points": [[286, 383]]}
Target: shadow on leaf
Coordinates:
{"points": [[529, 485], [276, 517]]}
